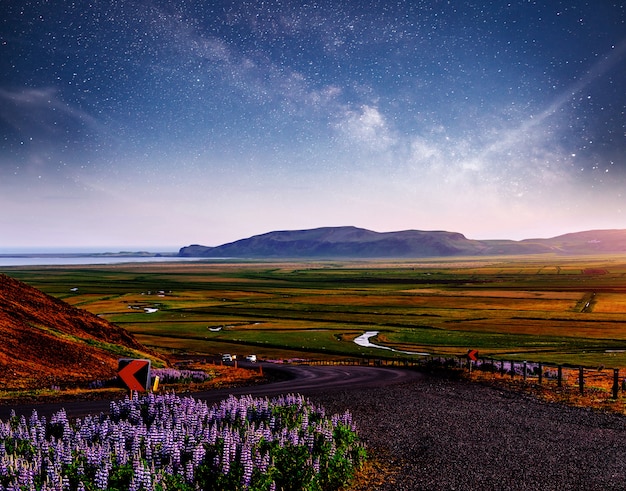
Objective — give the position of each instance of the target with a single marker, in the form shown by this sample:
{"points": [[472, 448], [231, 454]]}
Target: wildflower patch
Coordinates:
{"points": [[165, 442]]}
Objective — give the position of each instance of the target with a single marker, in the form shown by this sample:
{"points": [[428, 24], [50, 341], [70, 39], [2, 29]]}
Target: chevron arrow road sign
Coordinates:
{"points": [[473, 355], [135, 373]]}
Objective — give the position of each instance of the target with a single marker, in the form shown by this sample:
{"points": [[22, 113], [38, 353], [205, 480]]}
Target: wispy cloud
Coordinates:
{"points": [[40, 111], [44, 134]]}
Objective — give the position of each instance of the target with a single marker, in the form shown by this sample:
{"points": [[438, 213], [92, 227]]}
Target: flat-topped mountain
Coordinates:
{"points": [[353, 242], [47, 342]]}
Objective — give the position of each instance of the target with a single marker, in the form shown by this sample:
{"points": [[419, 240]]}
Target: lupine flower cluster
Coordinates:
{"points": [[165, 442], [172, 375]]}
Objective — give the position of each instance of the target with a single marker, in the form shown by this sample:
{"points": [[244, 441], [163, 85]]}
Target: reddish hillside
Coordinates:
{"points": [[47, 342]]}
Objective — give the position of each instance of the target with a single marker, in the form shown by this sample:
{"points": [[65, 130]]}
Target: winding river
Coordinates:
{"points": [[364, 340]]}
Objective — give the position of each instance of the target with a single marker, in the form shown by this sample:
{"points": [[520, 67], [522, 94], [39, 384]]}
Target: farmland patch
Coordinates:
{"points": [[537, 308]]}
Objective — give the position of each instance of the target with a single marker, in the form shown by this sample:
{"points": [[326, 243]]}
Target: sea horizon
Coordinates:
{"points": [[88, 259], [46, 250]]}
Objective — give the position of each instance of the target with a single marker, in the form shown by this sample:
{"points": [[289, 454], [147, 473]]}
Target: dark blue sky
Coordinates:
{"points": [[153, 124]]}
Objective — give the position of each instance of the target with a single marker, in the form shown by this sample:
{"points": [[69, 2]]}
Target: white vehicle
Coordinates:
{"points": [[251, 358], [227, 357]]}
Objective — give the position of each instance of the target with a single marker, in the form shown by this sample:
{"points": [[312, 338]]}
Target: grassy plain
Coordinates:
{"points": [[542, 308]]}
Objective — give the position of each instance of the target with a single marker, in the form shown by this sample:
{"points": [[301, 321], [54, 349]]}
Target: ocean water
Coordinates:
{"points": [[60, 260]]}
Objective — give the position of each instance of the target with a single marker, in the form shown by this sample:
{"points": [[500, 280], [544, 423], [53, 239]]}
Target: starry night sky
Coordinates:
{"points": [[159, 124]]}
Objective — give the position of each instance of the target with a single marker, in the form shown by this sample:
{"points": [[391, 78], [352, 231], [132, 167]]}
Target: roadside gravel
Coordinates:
{"points": [[440, 434]]}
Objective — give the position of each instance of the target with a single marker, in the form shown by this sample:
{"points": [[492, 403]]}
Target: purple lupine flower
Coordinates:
{"points": [[141, 478], [136, 440], [226, 452], [316, 465], [260, 460], [309, 440], [198, 454], [171, 375], [163, 434], [26, 476], [245, 459], [101, 480], [189, 472]]}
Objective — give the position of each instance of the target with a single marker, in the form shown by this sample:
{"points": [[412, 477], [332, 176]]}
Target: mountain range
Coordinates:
{"points": [[354, 242]]}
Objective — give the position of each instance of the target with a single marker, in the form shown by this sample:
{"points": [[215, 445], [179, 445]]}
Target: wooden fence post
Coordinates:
{"points": [[615, 382], [581, 380], [559, 377], [512, 369], [525, 370], [540, 373]]}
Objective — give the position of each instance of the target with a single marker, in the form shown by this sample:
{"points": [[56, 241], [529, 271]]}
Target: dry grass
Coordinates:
{"points": [[375, 472], [223, 376], [597, 391], [612, 303]]}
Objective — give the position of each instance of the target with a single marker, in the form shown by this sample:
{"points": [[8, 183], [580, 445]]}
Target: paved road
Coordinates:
{"points": [[305, 380]]}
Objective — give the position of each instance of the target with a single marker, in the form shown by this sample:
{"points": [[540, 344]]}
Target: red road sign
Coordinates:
{"points": [[135, 373], [473, 355]]}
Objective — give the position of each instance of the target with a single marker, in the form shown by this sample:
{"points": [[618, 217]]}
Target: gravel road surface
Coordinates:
{"points": [[447, 435]]}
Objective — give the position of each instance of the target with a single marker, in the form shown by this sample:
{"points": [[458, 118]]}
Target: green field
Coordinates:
{"points": [[540, 308]]}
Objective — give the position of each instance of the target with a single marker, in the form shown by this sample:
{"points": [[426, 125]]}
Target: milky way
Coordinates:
{"points": [[154, 123]]}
